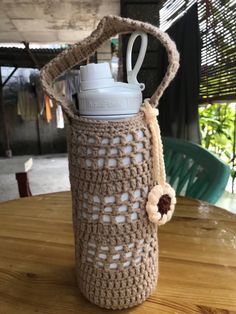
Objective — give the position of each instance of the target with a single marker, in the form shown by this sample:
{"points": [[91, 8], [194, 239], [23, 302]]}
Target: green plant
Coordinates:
{"points": [[217, 124]]}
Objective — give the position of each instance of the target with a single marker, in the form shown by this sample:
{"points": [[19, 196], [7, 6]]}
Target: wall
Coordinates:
{"points": [[104, 52]]}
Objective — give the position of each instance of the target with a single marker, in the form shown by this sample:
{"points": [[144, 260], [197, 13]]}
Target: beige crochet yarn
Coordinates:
{"points": [[111, 174]]}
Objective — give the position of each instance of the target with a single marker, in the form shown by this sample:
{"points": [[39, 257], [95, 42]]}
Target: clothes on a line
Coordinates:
{"points": [[32, 101]]}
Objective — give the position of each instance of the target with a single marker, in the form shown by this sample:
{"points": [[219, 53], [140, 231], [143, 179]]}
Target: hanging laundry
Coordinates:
{"points": [[68, 84], [27, 106], [36, 83], [48, 106], [72, 79], [59, 117]]}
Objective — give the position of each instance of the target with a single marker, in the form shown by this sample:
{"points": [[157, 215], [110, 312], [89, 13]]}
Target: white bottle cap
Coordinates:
{"points": [[93, 76]]}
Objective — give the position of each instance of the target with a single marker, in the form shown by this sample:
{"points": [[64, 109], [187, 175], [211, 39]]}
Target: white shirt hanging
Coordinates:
{"points": [[59, 117]]}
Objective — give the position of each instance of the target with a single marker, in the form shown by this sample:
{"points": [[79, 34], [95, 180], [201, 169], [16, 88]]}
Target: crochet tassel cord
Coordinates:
{"points": [[161, 199], [151, 113]]}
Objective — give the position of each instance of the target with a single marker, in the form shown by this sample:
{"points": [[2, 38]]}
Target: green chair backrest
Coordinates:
{"points": [[193, 171]]}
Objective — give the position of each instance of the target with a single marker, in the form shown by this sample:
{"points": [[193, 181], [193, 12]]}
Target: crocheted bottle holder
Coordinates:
{"points": [[118, 182]]}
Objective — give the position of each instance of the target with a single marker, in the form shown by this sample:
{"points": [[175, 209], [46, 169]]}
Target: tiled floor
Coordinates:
{"points": [[50, 174]]}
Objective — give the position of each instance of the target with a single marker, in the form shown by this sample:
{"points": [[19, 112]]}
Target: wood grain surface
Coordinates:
{"points": [[37, 270]]}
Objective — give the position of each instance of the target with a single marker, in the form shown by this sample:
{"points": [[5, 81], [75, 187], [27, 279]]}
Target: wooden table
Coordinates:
{"points": [[19, 166], [197, 260]]}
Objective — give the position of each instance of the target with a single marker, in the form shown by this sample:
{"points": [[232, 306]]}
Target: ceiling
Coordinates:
{"points": [[51, 21]]}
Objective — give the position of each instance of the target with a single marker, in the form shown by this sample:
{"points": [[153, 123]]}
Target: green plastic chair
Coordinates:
{"points": [[193, 171]]}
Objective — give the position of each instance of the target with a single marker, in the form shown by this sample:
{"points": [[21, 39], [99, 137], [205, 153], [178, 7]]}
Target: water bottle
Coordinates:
{"points": [[102, 98]]}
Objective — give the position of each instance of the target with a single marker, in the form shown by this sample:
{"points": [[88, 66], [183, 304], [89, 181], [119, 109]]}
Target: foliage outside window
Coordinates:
{"points": [[217, 124], [217, 79]]}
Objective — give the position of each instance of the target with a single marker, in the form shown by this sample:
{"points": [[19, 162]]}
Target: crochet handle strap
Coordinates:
{"points": [[109, 26]]}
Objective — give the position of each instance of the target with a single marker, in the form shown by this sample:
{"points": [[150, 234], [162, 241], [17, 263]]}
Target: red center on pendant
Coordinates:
{"points": [[164, 204]]}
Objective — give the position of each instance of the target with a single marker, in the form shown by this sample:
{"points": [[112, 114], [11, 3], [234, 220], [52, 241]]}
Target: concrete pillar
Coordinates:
{"points": [[146, 11], [104, 52]]}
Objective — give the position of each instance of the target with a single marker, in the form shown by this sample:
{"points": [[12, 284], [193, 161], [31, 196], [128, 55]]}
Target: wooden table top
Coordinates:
{"points": [[197, 260]]}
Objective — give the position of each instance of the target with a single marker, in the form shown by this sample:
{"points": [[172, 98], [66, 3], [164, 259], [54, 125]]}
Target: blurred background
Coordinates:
{"points": [[199, 106]]}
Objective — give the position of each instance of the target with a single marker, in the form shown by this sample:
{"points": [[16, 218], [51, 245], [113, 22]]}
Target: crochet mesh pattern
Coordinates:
{"points": [[111, 169], [116, 245]]}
